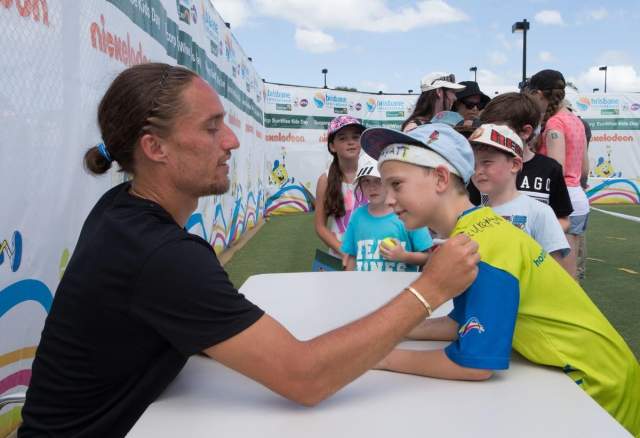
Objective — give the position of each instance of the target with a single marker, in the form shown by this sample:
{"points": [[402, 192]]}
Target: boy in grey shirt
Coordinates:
{"points": [[498, 154]]}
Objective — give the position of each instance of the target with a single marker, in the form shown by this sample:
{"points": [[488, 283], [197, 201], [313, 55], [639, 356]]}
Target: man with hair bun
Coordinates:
{"points": [[140, 294]]}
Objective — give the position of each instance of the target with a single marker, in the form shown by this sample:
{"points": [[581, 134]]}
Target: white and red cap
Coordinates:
{"points": [[498, 136]]}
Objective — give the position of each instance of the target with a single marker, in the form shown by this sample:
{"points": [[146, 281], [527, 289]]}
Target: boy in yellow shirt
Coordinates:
{"points": [[522, 298]]}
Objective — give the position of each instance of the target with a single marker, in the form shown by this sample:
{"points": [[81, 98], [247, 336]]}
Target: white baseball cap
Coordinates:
{"points": [[436, 80], [367, 166]]}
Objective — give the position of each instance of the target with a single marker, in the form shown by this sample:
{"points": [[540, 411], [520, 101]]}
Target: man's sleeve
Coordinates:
{"points": [[420, 239], [349, 245], [559, 198], [186, 296], [487, 314]]}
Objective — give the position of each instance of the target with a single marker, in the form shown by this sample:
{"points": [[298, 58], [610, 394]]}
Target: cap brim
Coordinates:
{"points": [[442, 84], [374, 140], [451, 85]]}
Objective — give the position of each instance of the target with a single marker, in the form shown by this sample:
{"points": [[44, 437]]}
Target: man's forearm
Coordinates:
{"points": [[359, 345]]}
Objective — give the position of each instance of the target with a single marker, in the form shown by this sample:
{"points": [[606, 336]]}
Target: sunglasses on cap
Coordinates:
{"points": [[448, 78], [471, 105]]}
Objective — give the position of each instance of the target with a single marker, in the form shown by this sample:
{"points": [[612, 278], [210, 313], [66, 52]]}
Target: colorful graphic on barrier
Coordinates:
{"points": [[615, 191], [22, 291], [12, 251], [604, 167], [244, 216], [289, 196]]}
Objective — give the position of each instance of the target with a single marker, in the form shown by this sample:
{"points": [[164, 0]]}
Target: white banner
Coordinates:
{"points": [[614, 151], [296, 121], [58, 57]]}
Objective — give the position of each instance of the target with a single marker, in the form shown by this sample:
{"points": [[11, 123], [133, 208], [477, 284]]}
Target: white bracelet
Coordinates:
{"points": [[419, 296]]}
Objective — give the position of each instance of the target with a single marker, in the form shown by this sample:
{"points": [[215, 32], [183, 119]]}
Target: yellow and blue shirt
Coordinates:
{"points": [[522, 297]]}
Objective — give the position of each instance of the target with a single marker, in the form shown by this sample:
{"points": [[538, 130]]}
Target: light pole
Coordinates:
{"points": [[522, 26], [474, 69], [604, 69], [324, 72], [596, 89]]}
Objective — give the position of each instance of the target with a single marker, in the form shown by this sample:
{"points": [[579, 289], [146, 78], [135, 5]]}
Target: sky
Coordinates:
{"points": [[388, 45]]}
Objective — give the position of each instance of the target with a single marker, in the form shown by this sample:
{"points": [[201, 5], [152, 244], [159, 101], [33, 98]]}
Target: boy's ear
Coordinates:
{"points": [[526, 132], [443, 178], [517, 164]]}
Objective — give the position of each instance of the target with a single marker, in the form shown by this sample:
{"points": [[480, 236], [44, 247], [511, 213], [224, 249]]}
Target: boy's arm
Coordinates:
{"points": [[351, 263], [432, 363], [564, 223], [415, 258], [435, 329]]}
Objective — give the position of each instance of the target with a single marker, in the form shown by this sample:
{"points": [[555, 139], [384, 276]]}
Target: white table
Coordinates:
{"points": [[209, 400]]}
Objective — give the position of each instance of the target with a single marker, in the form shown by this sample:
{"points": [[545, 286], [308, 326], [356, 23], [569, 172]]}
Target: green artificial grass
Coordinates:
{"points": [[288, 243], [285, 244], [613, 270]]}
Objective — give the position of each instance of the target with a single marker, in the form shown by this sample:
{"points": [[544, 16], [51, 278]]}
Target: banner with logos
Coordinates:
{"points": [[58, 57], [614, 151], [296, 120]]}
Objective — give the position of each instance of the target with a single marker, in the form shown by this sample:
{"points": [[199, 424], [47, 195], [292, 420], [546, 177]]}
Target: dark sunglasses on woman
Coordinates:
{"points": [[470, 105]]}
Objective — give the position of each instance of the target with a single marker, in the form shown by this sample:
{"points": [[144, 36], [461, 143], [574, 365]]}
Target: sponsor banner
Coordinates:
{"points": [[614, 151], [296, 120], [51, 85]]}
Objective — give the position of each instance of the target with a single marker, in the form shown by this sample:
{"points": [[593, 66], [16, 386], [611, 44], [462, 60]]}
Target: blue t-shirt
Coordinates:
{"points": [[365, 232]]}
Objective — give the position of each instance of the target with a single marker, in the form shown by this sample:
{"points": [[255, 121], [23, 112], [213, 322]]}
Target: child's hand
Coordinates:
{"points": [[395, 253]]}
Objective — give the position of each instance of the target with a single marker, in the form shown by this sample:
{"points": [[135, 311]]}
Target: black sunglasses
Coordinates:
{"points": [[470, 105]]}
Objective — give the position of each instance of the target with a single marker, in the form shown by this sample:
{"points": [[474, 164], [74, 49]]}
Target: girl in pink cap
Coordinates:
{"points": [[336, 196]]}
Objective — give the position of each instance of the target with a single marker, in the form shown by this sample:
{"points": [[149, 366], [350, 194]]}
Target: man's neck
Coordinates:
{"points": [[178, 205], [504, 196]]}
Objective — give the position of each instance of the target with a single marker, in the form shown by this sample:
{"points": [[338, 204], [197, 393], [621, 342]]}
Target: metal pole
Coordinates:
{"points": [[524, 52], [605, 80], [475, 75]]}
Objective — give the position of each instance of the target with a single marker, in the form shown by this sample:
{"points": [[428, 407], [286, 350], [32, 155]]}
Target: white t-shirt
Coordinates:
{"points": [[537, 220]]}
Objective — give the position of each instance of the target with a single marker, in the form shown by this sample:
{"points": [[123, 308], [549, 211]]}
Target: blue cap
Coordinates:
{"points": [[438, 137], [450, 118]]}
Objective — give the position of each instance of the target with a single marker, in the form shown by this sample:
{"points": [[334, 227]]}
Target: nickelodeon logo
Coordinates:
{"points": [[114, 46], [31, 8], [371, 104], [318, 99]]}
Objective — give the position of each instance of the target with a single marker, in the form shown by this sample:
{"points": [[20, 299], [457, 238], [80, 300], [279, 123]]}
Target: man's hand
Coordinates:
{"points": [[450, 270]]}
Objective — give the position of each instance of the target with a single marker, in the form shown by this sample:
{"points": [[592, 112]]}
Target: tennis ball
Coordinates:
{"points": [[388, 242]]}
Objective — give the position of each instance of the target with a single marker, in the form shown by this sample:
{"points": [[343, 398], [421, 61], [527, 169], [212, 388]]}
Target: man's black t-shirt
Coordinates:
{"points": [[139, 296]]}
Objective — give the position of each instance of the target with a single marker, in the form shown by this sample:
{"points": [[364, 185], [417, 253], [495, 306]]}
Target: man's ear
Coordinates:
{"points": [[153, 147]]}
